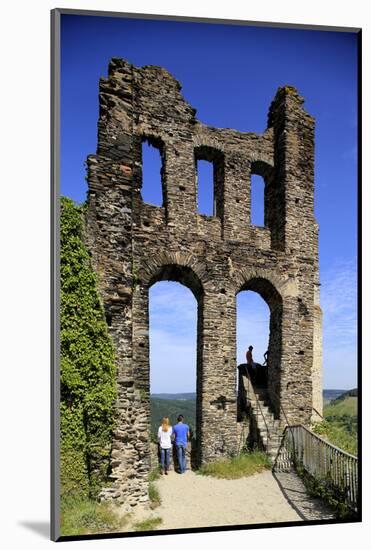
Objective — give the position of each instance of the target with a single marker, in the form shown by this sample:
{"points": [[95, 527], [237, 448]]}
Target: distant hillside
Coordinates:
{"points": [[330, 395], [160, 407], [348, 393], [174, 396]]}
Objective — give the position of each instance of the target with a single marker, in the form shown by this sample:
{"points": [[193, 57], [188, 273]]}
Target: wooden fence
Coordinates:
{"points": [[333, 467]]}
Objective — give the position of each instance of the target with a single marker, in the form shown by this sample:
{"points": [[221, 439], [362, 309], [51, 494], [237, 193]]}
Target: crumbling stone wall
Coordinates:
{"points": [[134, 245]]}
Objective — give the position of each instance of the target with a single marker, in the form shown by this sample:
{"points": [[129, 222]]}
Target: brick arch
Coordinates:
{"points": [[241, 278], [262, 165], [208, 142], [177, 266], [267, 290], [180, 274]]}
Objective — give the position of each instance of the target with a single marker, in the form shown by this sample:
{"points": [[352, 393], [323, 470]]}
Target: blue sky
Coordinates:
{"points": [[230, 75]]}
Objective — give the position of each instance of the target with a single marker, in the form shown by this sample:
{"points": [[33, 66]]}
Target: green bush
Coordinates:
{"points": [[341, 433], [340, 425], [88, 387]]}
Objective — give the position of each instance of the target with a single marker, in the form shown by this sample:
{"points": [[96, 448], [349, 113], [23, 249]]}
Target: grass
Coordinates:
{"points": [[242, 465], [82, 516], [154, 496], [148, 524], [341, 407], [154, 474]]}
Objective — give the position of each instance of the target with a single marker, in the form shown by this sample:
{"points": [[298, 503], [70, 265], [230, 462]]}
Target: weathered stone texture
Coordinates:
{"points": [[134, 245]]}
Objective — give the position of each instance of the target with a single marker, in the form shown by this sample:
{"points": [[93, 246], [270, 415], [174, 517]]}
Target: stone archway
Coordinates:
{"points": [[184, 275], [269, 293]]}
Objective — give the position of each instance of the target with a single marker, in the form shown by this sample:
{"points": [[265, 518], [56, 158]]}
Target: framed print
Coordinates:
{"points": [[205, 213]]}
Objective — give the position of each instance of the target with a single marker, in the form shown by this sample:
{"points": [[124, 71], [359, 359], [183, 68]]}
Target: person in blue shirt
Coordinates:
{"points": [[181, 436]]}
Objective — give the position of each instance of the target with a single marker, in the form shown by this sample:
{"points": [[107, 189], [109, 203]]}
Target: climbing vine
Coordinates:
{"points": [[88, 388]]}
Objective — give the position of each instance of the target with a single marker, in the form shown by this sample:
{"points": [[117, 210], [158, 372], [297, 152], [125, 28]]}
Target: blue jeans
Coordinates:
{"points": [[165, 458], [181, 453]]}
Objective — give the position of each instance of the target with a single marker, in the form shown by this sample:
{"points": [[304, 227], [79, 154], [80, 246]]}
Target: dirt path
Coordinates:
{"points": [[191, 500]]}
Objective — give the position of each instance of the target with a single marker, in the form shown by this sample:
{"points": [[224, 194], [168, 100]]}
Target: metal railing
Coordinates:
{"points": [[337, 470]]}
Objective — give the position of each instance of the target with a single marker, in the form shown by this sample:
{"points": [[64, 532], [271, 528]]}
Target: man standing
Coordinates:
{"points": [[252, 368], [181, 435], [249, 358]]}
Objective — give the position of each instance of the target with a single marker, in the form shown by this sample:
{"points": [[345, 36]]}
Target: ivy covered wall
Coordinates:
{"points": [[88, 387]]}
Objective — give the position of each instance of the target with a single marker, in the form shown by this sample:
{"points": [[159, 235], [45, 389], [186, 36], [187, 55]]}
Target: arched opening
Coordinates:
{"points": [[259, 323], [209, 173], [252, 326], [153, 171], [175, 309]]}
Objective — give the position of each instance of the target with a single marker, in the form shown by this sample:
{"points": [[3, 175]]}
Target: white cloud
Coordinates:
{"points": [[173, 338], [339, 306], [172, 307]]}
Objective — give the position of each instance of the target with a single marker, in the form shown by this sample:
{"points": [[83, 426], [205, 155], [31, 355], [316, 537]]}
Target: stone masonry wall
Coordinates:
{"points": [[134, 245]]}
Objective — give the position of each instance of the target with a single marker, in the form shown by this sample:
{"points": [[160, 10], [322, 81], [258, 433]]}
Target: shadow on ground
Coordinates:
{"points": [[42, 528], [307, 507]]}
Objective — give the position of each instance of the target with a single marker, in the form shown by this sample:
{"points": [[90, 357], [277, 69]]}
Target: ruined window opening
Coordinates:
{"points": [[209, 172], [257, 200], [205, 187], [153, 184]]}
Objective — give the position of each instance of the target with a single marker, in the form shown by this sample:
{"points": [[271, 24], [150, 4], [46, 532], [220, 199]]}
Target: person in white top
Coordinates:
{"points": [[164, 439]]}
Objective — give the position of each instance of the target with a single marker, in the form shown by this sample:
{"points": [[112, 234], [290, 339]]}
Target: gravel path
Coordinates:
{"points": [[191, 500]]}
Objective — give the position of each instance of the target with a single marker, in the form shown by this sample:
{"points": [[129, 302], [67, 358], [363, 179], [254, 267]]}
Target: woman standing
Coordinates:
{"points": [[164, 439]]}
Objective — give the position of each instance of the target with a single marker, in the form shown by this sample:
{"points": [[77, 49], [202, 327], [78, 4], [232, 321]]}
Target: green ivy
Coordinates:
{"points": [[88, 387]]}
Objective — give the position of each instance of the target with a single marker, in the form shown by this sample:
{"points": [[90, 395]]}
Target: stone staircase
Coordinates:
{"points": [[255, 403], [270, 429]]}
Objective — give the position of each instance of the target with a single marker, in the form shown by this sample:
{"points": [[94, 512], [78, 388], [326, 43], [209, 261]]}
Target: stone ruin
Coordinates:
{"points": [[133, 245]]}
